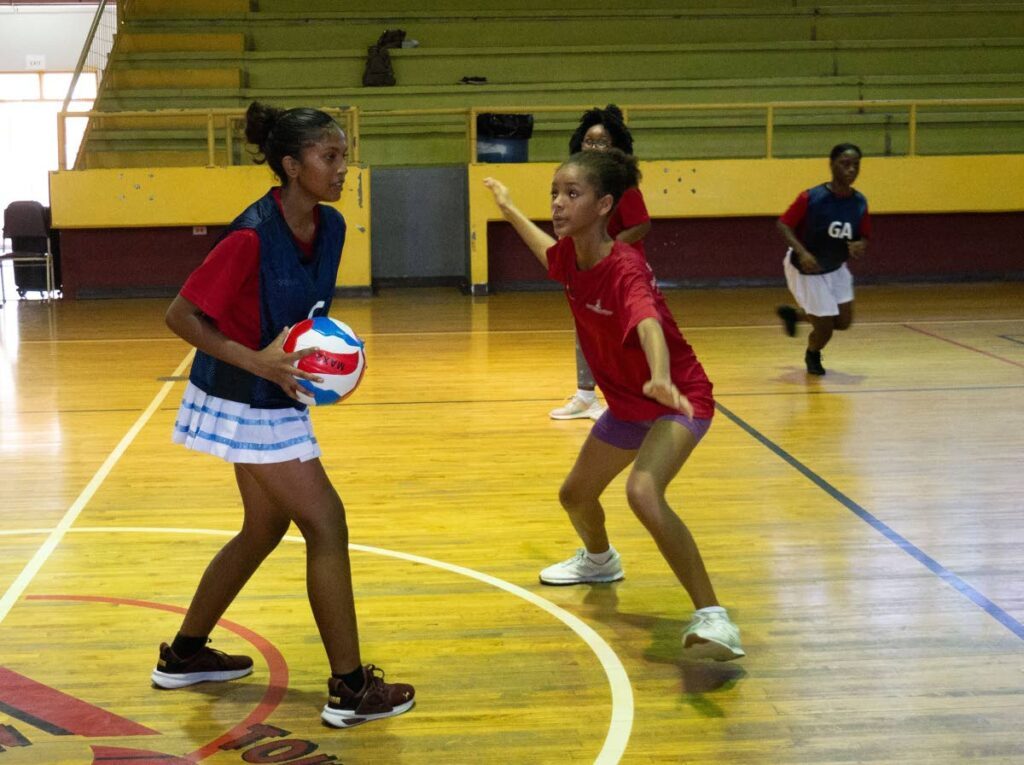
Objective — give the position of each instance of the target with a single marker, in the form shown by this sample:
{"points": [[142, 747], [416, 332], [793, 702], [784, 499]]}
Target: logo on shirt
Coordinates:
{"points": [[596, 308]]}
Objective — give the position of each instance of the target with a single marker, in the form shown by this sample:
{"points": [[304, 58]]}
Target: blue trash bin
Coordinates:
{"points": [[502, 150]]}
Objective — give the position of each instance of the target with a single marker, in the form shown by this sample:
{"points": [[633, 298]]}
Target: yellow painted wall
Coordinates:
{"points": [[194, 196], [749, 187], [170, 196]]}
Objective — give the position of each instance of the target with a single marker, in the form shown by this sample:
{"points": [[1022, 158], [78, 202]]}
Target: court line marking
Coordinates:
{"points": [[964, 345], [21, 582], [621, 723], [461, 402], [1012, 339], [954, 581], [687, 328], [277, 678]]}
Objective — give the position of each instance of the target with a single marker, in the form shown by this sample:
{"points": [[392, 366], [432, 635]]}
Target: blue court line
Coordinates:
{"points": [[855, 391], [900, 541], [1012, 339]]}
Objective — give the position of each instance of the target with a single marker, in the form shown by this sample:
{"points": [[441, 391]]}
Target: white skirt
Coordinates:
{"points": [[819, 294], [239, 433]]}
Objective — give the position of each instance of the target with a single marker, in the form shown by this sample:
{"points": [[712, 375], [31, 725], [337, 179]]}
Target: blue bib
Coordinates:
{"points": [[290, 289]]}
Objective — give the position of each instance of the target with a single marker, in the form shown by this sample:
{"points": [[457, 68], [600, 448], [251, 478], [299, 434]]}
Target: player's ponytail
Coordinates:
{"points": [[280, 133]]}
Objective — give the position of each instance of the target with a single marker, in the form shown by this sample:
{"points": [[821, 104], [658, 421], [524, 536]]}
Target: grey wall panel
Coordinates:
{"points": [[418, 222]]}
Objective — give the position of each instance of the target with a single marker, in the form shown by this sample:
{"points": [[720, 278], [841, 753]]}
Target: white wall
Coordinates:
{"points": [[29, 102], [55, 31]]}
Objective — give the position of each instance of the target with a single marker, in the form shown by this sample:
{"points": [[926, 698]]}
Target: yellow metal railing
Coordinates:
{"points": [[225, 120], [770, 110]]}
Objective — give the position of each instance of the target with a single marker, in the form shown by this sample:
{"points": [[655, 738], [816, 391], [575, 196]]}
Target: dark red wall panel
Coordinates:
{"points": [[130, 262], [724, 251]]}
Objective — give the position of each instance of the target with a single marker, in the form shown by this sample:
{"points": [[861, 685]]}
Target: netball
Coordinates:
{"points": [[339, 359]]}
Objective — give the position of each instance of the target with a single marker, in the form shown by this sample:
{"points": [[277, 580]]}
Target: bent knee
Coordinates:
{"points": [[644, 496], [325, 524], [573, 495]]}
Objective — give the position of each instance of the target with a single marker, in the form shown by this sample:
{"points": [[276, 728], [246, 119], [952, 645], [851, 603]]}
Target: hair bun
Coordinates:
{"points": [[259, 121]]}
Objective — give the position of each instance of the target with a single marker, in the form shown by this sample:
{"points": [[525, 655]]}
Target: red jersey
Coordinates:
{"points": [[608, 301], [630, 211], [226, 287]]}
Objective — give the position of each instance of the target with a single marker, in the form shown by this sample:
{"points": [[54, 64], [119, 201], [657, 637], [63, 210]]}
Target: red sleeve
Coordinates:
{"points": [[225, 286], [632, 210], [638, 300], [865, 225], [557, 259], [794, 216]]}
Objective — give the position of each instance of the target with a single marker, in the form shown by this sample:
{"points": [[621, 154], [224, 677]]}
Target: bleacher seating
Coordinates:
{"points": [[219, 53]]}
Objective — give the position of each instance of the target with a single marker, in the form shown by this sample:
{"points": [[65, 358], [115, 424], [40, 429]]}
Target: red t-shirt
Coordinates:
{"points": [[226, 285], [630, 211], [607, 302]]}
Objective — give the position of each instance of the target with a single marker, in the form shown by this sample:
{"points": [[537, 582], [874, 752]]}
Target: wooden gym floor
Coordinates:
{"points": [[864, 529]]}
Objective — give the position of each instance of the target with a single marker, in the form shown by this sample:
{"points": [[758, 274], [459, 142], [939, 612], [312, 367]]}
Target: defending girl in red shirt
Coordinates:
{"points": [[659, 399]]}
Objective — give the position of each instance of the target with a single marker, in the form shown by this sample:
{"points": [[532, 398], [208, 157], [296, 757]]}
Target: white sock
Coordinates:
{"points": [[710, 610], [587, 396], [601, 558]]}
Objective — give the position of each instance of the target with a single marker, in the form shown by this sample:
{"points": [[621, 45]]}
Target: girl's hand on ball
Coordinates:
{"points": [[277, 366]]}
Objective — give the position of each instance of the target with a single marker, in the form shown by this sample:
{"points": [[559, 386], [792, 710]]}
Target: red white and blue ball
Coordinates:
{"points": [[339, 360]]}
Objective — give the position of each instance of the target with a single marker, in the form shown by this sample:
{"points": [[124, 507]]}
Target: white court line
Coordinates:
{"points": [[23, 579], [453, 332], [621, 723]]}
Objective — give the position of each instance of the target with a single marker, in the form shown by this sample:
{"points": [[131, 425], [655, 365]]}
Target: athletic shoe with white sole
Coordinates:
{"points": [[376, 700], [580, 569], [577, 409], [207, 665], [712, 636]]}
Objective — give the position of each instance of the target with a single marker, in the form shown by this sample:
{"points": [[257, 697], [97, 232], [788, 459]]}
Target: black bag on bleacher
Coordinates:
{"points": [[379, 71]]}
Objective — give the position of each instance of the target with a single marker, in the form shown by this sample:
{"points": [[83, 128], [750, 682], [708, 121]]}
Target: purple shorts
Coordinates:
{"points": [[629, 434]]}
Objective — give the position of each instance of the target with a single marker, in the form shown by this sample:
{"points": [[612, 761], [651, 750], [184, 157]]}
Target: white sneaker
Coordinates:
{"points": [[580, 569], [577, 409], [597, 411], [712, 636]]}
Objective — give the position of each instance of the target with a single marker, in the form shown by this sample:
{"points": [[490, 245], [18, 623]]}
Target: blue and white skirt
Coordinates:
{"points": [[237, 432]]}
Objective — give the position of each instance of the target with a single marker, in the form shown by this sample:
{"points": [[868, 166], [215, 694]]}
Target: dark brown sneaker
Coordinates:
{"points": [[376, 700], [789, 318], [207, 665], [813, 361]]}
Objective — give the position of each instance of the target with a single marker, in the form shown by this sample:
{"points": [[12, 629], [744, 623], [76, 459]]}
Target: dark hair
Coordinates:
{"points": [[609, 172], [611, 118], [842, 148], [281, 133]]}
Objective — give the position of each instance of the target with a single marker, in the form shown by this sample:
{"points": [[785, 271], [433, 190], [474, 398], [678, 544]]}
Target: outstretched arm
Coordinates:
{"points": [[660, 387], [535, 238]]}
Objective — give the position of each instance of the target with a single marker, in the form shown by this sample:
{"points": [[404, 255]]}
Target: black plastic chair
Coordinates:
{"points": [[26, 226]]}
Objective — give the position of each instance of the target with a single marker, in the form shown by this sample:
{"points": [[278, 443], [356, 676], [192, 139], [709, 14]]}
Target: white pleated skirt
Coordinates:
{"points": [[237, 432]]}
